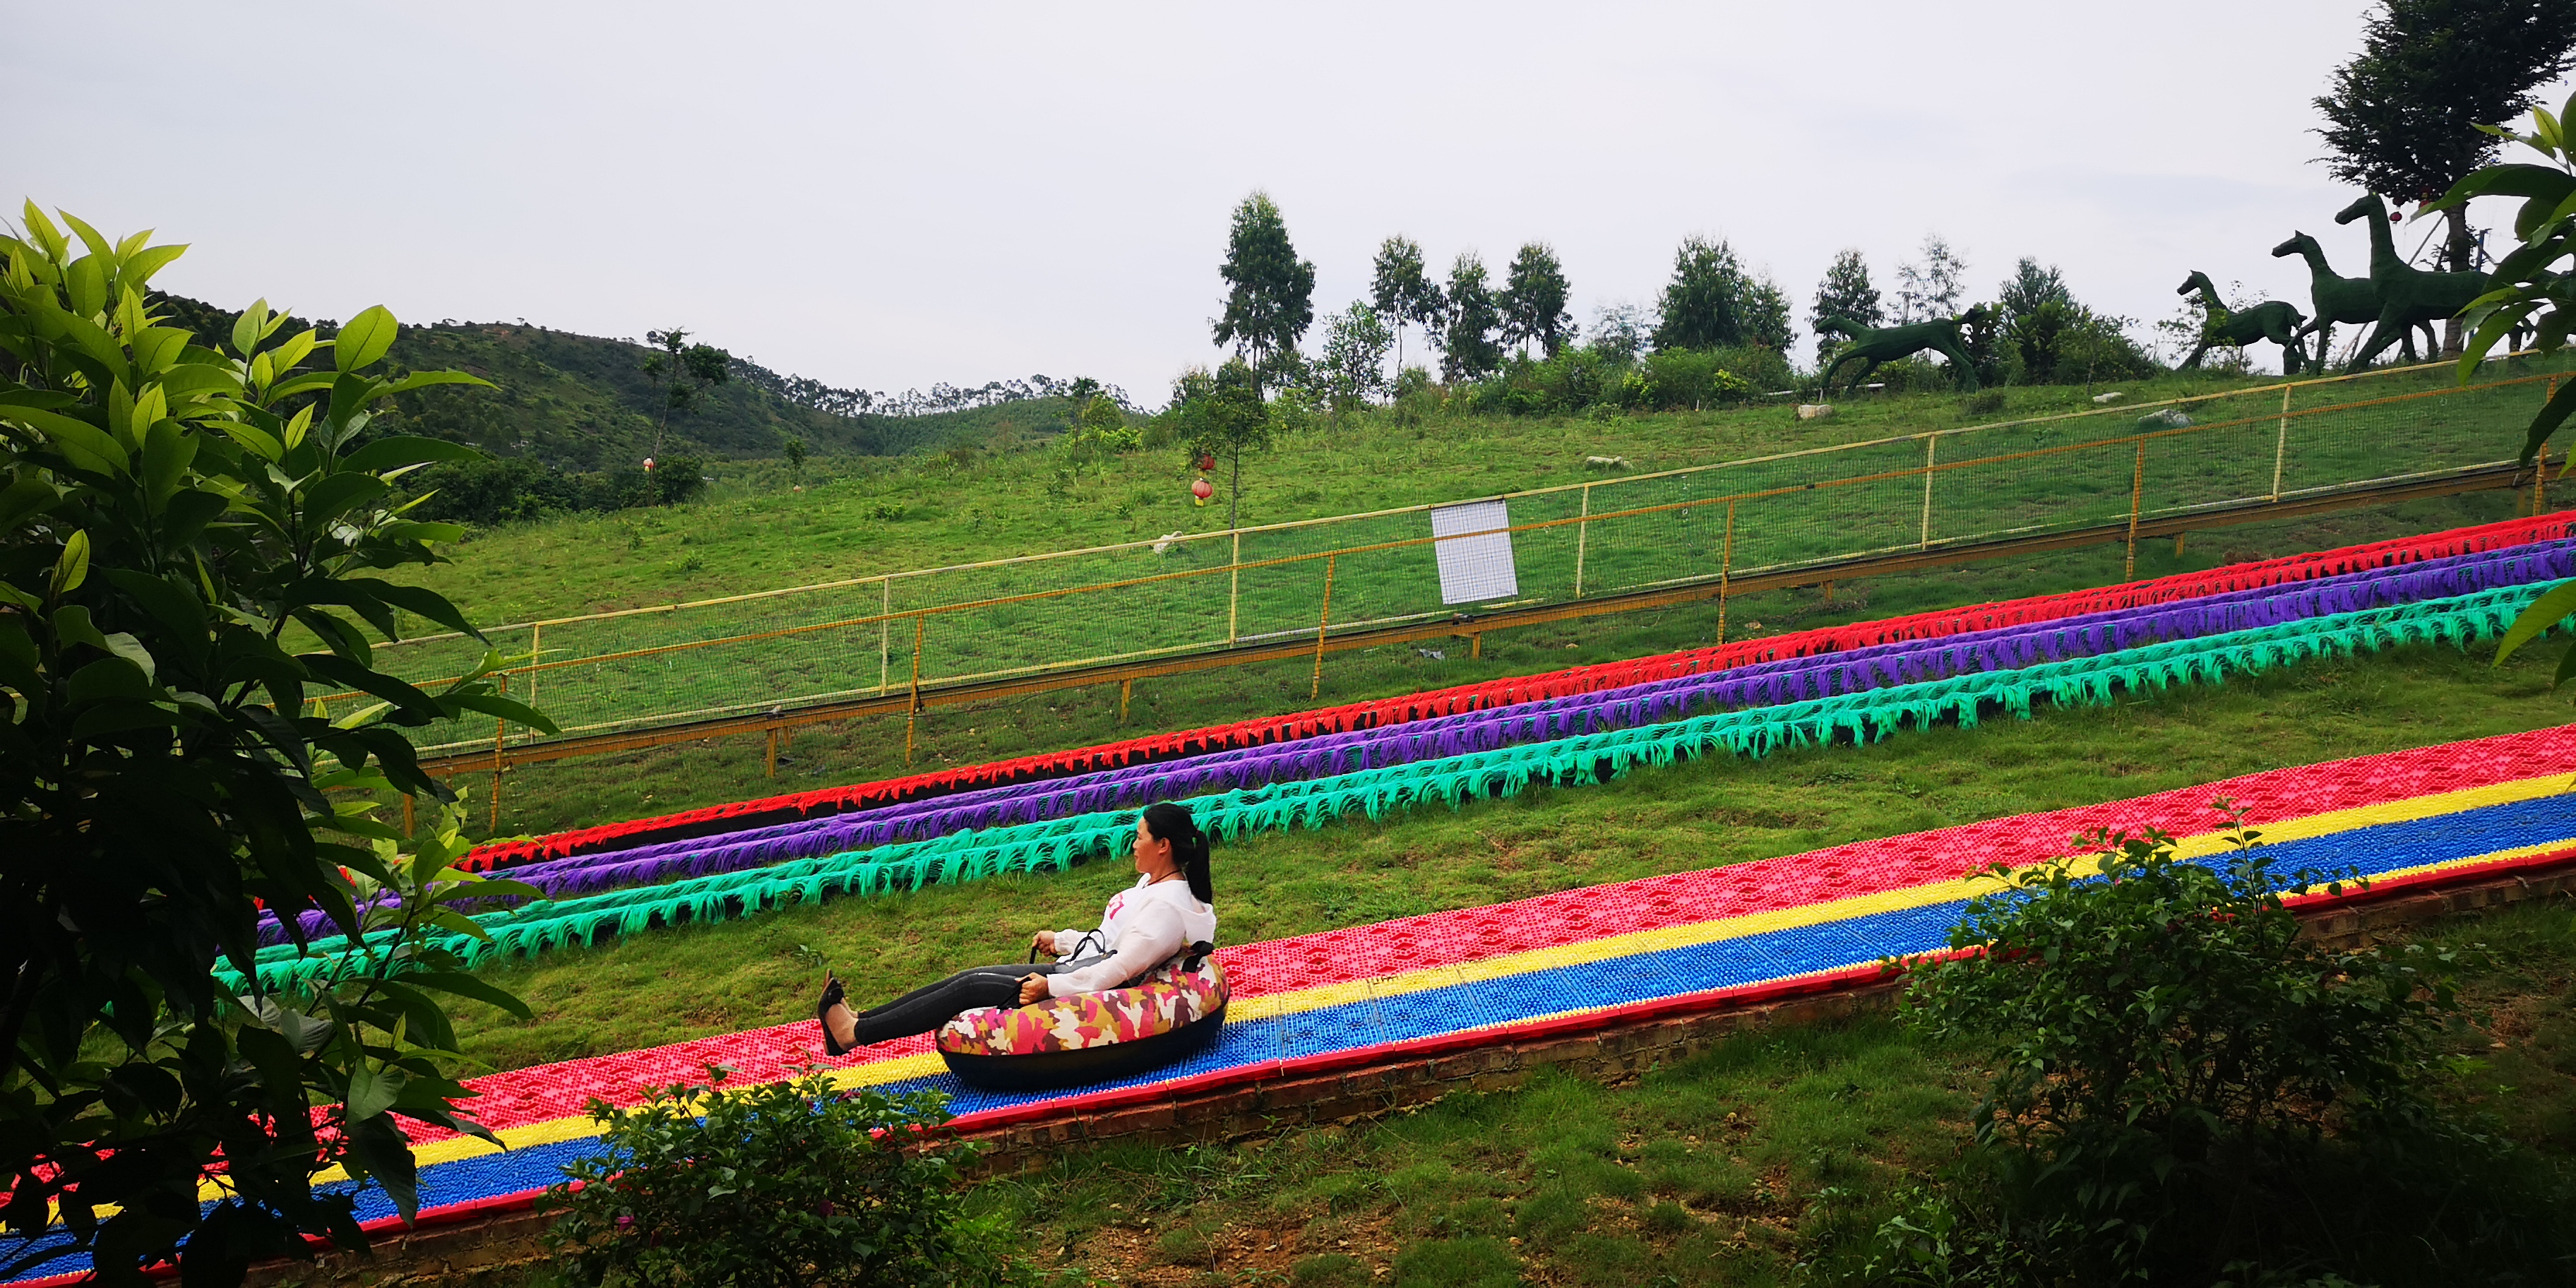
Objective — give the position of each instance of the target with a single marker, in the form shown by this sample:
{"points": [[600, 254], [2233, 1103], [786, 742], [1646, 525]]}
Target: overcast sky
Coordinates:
{"points": [[891, 196]]}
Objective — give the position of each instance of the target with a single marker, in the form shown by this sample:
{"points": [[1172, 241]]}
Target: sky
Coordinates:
{"points": [[884, 196]]}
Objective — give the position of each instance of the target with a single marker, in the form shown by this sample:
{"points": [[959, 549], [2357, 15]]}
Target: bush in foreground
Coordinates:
{"points": [[775, 1186], [2189, 1091]]}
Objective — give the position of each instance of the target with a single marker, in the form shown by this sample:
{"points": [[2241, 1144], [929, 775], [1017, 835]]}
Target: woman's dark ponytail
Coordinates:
{"points": [[1172, 822]]}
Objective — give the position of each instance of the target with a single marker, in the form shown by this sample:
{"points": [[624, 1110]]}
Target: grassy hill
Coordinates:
{"points": [[583, 403], [1000, 494]]}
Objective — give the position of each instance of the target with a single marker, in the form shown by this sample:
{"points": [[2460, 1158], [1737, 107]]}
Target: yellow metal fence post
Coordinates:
{"points": [[2137, 492], [1725, 563], [1930, 444], [536, 654], [2281, 444], [1234, 587], [912, 709], [1582, 535], [885, 635], [2540, 475], [1322, 624], [500, 735]]}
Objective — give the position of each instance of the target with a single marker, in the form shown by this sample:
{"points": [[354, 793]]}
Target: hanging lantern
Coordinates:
{"points": [[1206, 462], [1201, 490], [648, 464]]}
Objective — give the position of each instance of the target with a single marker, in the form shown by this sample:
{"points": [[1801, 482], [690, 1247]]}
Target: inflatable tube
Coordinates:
{"points": [[1090, 1037]]}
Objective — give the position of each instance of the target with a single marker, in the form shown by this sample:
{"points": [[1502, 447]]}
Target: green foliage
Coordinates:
{"points": [[1621, 331], [495, 490], [1403, 292], [781, 1185], [2402, 120], [1584, 377], [1270, 293], [2532, 287], [1100, 431], [1467, 345], [794, 450], [189, 530], [1533, 300], [1933, 286], [683, 372], [2058, 341], [1845, 293], [1703, 307], [1352, 369], [1224, 416], [1941, 1239], [678, 478], [2165, 1035], [2029, 287]]}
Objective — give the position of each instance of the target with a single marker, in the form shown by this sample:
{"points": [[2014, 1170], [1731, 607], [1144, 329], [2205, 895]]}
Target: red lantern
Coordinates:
{"points": [[1206, 461], [1202, 490], [648, 464]]}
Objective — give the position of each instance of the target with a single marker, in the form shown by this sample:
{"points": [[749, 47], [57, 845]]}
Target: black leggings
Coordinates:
{"points": [[931, 1005]]}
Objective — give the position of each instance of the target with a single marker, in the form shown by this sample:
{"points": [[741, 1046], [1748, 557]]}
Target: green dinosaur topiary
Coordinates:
{"points": [[2274, 320], [2407, 295], [1879, 345], [2341, 299]]}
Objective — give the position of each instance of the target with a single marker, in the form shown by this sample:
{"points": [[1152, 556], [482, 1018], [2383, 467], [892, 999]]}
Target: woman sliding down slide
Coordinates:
{"points": [[1158, 919]]}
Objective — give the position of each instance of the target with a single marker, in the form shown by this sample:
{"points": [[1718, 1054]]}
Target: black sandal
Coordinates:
{"points": [[831, 998]]}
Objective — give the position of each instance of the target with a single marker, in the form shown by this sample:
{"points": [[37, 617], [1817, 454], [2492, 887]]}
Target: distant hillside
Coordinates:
{"points": [[578, 402], [582, 403]]}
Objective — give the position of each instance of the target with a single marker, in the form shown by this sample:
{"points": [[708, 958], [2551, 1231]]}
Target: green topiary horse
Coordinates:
{"points": [[2408, 296], [1880, 345], [2274, 320], [2340, 299]]}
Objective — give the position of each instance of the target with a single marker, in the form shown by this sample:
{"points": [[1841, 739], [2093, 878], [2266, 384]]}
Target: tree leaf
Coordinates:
{"points": [[27, 496], [250, 327], [364, 339], [72, 567], [424, 379], [342, 671], [394, 453], [2552, 415], [493, 704], [85, 445], [465, 985], [420, 601], [2545, 612]]}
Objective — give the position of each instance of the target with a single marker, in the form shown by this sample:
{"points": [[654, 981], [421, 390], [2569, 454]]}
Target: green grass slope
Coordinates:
{"points": [[863, 517]]}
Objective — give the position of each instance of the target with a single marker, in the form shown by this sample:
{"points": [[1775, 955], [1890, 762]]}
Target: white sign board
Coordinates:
{"points": [[1474, 546]]}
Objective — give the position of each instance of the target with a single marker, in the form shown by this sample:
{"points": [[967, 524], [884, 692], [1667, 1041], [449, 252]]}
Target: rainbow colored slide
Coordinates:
{"points": [[1591, 957]]}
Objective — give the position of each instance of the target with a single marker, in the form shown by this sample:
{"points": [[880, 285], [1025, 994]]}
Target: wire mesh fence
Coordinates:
{"points": [[906, 632]]}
